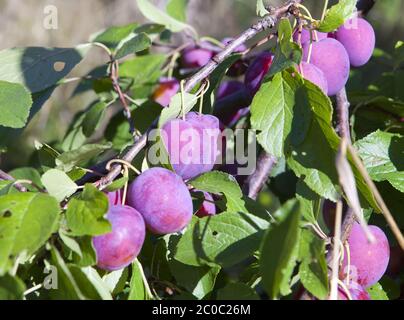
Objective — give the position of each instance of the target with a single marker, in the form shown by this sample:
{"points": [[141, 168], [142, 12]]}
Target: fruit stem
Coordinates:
{"points": [[324, 10]]}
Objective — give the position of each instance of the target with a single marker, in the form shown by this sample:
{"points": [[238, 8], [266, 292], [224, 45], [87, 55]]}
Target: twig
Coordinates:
{"points": [[336, 252], [267, 22], [343, 115], [6, 176], [257, 180]]}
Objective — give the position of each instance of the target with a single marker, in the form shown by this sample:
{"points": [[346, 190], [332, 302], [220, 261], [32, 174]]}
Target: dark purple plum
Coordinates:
{"points": [[208, 207], [119, 248], [166, 90], [368, 262], [163, 200], [256, 72], [315, 75], [331, 58], [192, 144], [359, 39]]}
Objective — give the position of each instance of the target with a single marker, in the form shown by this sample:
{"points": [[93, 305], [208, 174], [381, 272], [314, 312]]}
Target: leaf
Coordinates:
{"points": [[85, 214], [376, 292], [177, 9], [155, 15], [288, 53], [383, 154], [222, 183], [137, 287], [136, 44], [117, 184], [176, 108], [261, 10], [224, 240], [27, 220], [199, 281], [58, 184], [11, 288], [15, 103], [113, 36], [237, 292], [272, 113], [39, 68], [337, 15], [68, 160], [279, 250], [26, 173], [93, 118], [313, 270]]}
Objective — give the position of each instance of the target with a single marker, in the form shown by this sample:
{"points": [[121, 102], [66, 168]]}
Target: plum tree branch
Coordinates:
{"points": [[265, 23], [7, 177]]}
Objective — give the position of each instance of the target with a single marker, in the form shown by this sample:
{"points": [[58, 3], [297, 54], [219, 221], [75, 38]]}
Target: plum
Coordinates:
{"points": [[163, 199], [115, 198], [229, 115], [368, 261], [306, 37], [256, 72], [315, 75], [192, 144], [196, 57], [359, 39], [208, 207], [330, 56], [356, 291], [166, 90], [119, 248]]}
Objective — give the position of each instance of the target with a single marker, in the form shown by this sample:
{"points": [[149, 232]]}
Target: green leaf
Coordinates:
{"points": [[93, 118], [199, 281], [113, 36], [58, 184], [68, 160], [225, 240], [261, 11], [313, 270], [237, 292], [154, 14], [11, 288], [288, 53], [337, 15], [222, 183], [27, 220], [15, 103], [272, 113], [136, 44], [27, 174], [279, 250], [175, 109], [117, 184], [143, 69], [85, 214], [137, 290], [383, 154], [376, 292], [39, 68], [177, 9]]}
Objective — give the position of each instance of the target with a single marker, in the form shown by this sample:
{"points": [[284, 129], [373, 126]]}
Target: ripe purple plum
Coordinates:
{"points": [[256, 72], [192, 144], [359, 39], [166, 90], [329, 56], [208, 207], [163, 200], [230, 114], [196, 57], [368, 261], [117, 249], [307, 34], [313, 74]]}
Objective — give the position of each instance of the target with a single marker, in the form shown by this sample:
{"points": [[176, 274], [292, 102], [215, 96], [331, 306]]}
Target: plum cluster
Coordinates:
{"points": [[327, 58]]}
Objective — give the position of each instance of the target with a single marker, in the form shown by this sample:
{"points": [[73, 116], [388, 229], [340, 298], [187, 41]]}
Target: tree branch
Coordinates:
{"points": [[266, 23], [7, 177]]}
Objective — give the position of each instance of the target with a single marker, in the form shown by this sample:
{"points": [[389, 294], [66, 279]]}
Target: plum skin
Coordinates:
{"points": [[256, 72], [192, 144], [359, 42], [166, 90], [208, 207], [315, 75], [163, 199], [119, 248], [331, 58], [368, 261], [195, 57]]}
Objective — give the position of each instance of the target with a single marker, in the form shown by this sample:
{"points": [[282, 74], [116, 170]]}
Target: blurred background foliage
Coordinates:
{"points": [[21, 23]]}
